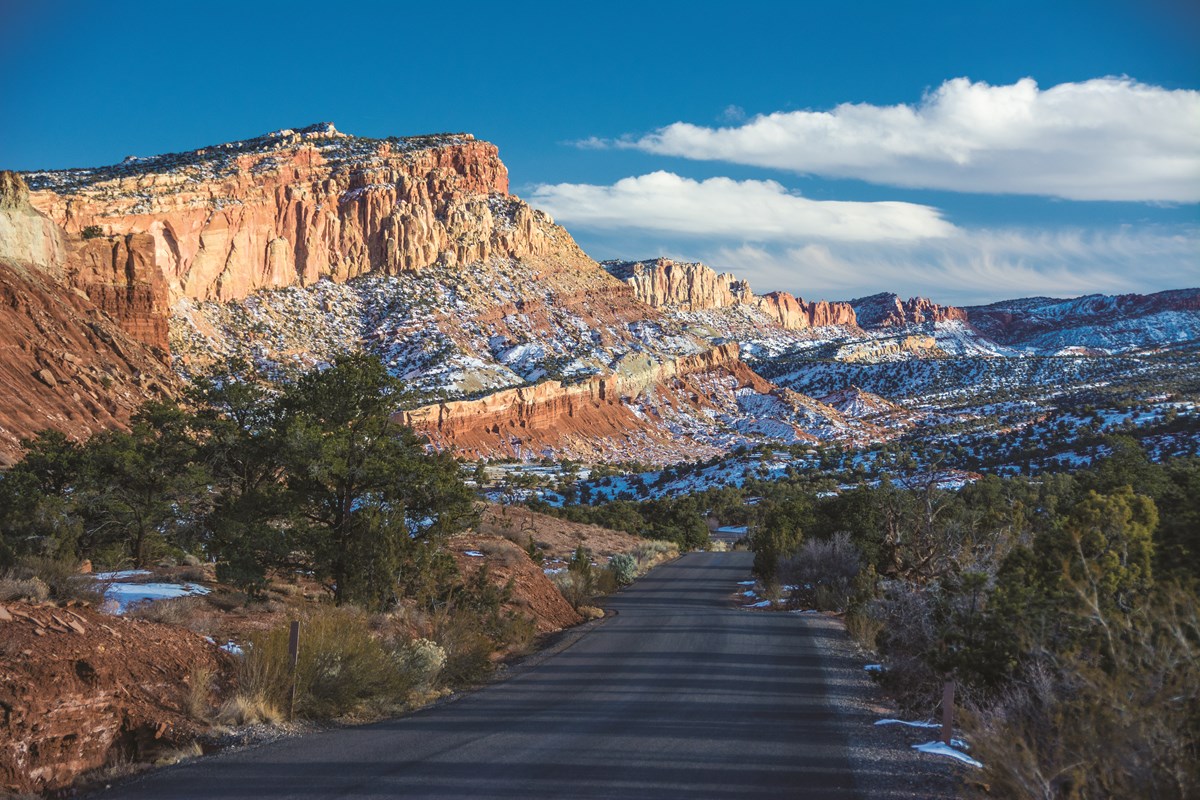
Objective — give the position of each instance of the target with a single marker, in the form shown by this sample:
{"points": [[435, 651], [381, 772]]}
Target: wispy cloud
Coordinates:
{"points": [[750, 209], [1102, 139]]}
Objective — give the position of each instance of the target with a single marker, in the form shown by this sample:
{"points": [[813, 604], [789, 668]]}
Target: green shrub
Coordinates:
{"points": [[423, 660], [92, 232], [623, 568]]}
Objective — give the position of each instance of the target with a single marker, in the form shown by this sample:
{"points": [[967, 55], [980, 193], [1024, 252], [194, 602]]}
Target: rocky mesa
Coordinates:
{"points": [[294, 206], [666, 284]]}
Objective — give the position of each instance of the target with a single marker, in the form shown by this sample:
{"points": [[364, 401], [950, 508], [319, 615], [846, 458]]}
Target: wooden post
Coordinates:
{"points": [[947, 711], [293, 659]]}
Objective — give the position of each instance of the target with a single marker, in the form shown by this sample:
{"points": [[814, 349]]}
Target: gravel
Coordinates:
{"points": [[885, 764]]}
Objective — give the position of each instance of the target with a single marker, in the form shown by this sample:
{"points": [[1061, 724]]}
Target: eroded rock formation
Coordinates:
{"points": [[665, 284], [553, 416], [291, 207], [84, 327], [886, 310]]}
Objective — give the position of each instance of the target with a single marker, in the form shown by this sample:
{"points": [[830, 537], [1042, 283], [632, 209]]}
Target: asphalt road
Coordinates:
{"points": [[680, 695]]}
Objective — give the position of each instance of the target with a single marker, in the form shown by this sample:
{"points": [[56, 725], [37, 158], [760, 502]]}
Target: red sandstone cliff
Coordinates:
{"points": [[84, 327], [572, 418], [889, 310], [662, 283], [294, 206]]}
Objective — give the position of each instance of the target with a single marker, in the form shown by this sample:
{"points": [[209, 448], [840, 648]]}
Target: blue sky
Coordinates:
{"points": [[982, 154]]}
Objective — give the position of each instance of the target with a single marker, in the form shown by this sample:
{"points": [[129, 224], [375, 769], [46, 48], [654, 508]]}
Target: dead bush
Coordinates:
{"points": [[864, 623], [61, 579], [823, 572], [909, 634], [1081, 725], [503, 552], [185, 612], [30, 590]]}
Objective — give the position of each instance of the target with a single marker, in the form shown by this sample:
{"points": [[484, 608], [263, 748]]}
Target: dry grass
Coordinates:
{"points": [[248, 709], [193, 613], [590, 612], [198, 697], [183, 753]]}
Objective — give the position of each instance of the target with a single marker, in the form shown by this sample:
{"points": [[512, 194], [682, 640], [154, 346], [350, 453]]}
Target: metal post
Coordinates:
{"points": [[947, 711], [293, 659]]}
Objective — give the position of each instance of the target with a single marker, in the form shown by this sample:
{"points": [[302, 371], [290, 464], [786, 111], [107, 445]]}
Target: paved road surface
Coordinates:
{"points": [[678, 696]]}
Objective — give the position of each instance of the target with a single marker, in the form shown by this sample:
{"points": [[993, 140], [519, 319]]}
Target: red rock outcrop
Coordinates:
{"points": [[120, 277], [80, 690], [795, 314], [77, 318], [665, 284], [291, 207], [888, 310], [531, 420]]}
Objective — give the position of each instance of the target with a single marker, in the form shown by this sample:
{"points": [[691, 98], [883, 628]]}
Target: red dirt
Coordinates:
{"points": [[534, 595], [80, 690], [557, 538]]}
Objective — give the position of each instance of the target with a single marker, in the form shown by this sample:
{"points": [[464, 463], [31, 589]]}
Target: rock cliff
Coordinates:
{"points": [[84, 326], [886, 310], [582, 419], [665, 284], [292, 207]]}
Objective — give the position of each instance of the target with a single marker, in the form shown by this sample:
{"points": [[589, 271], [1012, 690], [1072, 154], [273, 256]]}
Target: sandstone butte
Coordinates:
{"points": [[664, 283], [288, 209]]}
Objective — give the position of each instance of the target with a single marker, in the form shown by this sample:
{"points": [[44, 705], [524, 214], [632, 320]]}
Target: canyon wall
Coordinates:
{"points": [[84, 325], [662, 283], [885, 310], [295, 206]]}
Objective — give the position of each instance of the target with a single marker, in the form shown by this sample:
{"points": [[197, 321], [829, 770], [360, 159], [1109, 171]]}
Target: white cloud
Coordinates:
{"points": [[1102, 139], [716, 207], [974, 265]]}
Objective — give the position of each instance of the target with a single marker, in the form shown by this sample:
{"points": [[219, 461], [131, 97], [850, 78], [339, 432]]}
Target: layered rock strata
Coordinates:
{"points": [[553, 416], [84, 327], [291, 207], [885, 310], [665, 284]]}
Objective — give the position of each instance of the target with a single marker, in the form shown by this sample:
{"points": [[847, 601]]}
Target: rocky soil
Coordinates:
{"points": [[79, 692]]}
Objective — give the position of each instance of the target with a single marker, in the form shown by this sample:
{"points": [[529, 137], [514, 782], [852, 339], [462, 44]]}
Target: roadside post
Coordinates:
{"points": [[947, 711], [293, 659]]}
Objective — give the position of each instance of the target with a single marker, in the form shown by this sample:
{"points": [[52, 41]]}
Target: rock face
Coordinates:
{"points": [[665, 284], [81, 690], [291, 207], [555, 417], [886, 310], [84, 327], [26, 237], [119, 275], [1101, 321]]}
